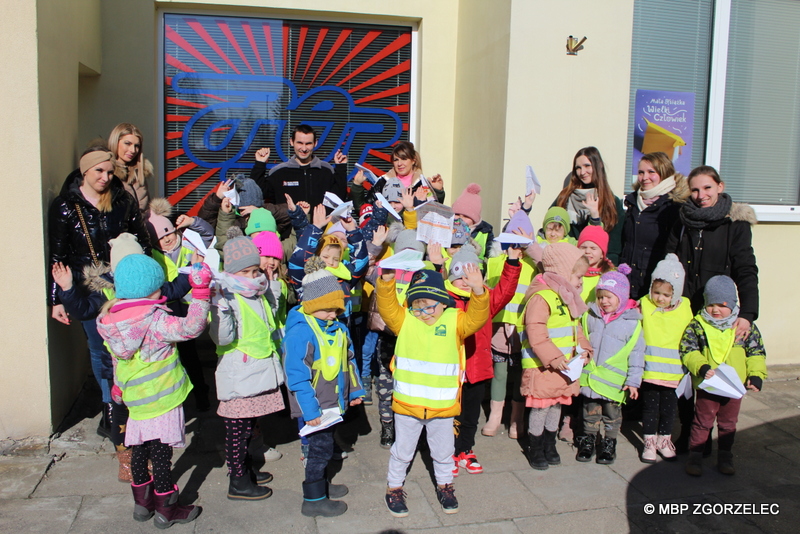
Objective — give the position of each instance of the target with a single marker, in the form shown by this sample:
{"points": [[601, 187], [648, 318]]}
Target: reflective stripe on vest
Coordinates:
{"points": [[170, 267], [332, 352], [355, 296], [561, 328], [512, 312], [589, 286], [608, 378], [428, 362], [663, 331], [150, 389], [256, 339]]}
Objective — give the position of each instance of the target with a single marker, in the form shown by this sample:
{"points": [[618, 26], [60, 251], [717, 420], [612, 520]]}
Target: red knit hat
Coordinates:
{"points": [[469, 203], [596, 235]]}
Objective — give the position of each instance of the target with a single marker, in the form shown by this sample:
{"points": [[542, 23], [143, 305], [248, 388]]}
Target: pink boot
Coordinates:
{"points": [[169, 512], [143, 504], [495, 416], [515, 426]]}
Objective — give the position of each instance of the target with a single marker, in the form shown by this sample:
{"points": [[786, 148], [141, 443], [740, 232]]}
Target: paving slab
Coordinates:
{"points": [[53, 515], [83, 475], [604, 520], [20, 476]]}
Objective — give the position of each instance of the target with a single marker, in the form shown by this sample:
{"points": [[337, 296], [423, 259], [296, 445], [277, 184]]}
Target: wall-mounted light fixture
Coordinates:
{"points": [[574, 46]]}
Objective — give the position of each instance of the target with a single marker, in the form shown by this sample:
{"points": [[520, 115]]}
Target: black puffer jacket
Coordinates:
{"points": [[645, 235], [67, 240], [722, 247]]}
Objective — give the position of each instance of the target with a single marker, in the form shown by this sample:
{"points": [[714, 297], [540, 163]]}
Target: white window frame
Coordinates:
{"points": [[716, 111], [413, 116]]}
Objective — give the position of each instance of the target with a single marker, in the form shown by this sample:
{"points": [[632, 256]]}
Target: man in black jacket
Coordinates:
{"points": [[304, 177]]}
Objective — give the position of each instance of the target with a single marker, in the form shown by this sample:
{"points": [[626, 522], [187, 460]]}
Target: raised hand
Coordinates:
{"points": [[319, 219], [223, 188], [407, 199], [436, 182], [359, 178], [290, 205], [473, 278], [379, 235], [435, 253], [184, 221], [305, 206], [592, 203], [349, 223], [62, 275], [339, 157], [262, 155]]}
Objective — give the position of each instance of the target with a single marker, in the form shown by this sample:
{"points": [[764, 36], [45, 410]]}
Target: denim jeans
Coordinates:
{"points": [[368, 349], [99, 358]]}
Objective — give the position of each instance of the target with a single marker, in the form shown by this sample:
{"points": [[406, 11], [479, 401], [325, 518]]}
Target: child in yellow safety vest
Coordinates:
{"points": [[322, 378], [149, 379], [551, 337], [593, 242], [709, 341], [428, 368], [665, 316], [249, 372], [614, 328]]}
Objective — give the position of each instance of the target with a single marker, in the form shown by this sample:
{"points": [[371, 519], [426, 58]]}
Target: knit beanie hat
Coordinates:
{"points": [[520, 221], [123, 245], [268, 245], [158, 225], [464, 256], [559, 215], [329, 240], [321, 289], [617, 282], [250, 194], [670, 270], [137, 276], [240, 252], [461, 232], [596, 235], [261, 220], [560, 258], [364, 215], [393, 190], [427, 284], [721, 289], [469, 203], [408, 239]]}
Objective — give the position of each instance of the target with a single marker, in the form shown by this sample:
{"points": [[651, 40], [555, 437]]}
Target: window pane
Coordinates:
{"points": [[672, 52], [761, 134]]}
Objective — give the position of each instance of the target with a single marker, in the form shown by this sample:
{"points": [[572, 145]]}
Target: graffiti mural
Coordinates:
{"points": [[233, 85]]}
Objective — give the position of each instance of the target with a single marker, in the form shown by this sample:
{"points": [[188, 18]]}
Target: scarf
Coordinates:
{"points": [[448, 285], [623, 307], [722, 324], [569, 295], [246, 287], [578, 212], [646, 198], [699, 218]]}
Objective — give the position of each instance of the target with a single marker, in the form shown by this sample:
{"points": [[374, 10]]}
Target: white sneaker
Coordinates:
{"points": [[272, 454]]}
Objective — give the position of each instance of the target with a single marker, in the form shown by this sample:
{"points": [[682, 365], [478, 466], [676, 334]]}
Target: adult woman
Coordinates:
{"points": [[714, 237], [590, 201], [132, 168], [92, 208], [652, 209], [407, 167]]}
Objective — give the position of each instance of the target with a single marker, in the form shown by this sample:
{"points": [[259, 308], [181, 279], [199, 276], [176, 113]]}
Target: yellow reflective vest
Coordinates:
{"points": [[589, 286], [170, 267], [256, 339], [150, 389], [561, 327], [512, 312], [608, 378], [428, 365], [663, 331]]}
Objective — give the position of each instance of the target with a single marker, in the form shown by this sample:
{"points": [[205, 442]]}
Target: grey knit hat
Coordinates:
{"points": [[670, 270], [250, 194], [240, 252], [464, 256], [393, 190], [408, 239], [721, 289]]}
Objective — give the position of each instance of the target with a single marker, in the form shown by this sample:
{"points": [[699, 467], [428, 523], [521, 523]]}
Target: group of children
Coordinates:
{"points": [[479, 314]]}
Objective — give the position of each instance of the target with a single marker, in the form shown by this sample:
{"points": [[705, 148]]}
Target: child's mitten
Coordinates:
{"points": [[200, 280], [116, 394]]}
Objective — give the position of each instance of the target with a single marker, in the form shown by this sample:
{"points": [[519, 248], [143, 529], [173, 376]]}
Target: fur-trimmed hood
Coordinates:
{"points": [[743, 212], [98, 277], [681, 192]]}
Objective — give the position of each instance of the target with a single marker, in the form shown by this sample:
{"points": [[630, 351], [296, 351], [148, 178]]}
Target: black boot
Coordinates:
{"points": [[550, 452], [337, 491], [244, 488], [316, 502], [607, 451], [536, 457], [585, 445], [258, 477], [387, 434], [104, 426]]}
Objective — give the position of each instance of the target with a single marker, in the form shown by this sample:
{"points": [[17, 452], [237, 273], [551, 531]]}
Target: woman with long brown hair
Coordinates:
{"points": [[131, 167], [589, 200]]}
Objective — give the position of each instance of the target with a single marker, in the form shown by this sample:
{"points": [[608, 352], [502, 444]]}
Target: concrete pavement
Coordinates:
{"points": [[68, 484]]}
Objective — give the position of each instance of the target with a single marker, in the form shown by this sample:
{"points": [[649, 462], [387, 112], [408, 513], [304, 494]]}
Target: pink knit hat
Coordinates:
{"points": [[268, 245], [596, 235], [469, 203], [560, 258]]}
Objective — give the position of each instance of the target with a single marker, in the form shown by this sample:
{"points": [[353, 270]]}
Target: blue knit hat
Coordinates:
{"points": [[137, 276], [428, 284]]}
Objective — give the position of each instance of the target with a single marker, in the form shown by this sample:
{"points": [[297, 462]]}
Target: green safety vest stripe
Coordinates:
{"points": [[146, 378], [169, 380], [256, 340], [564, 337], [332, 352], [153, 398]]}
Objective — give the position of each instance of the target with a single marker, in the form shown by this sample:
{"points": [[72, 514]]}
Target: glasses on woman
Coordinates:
{"points": [[427, 310]]}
